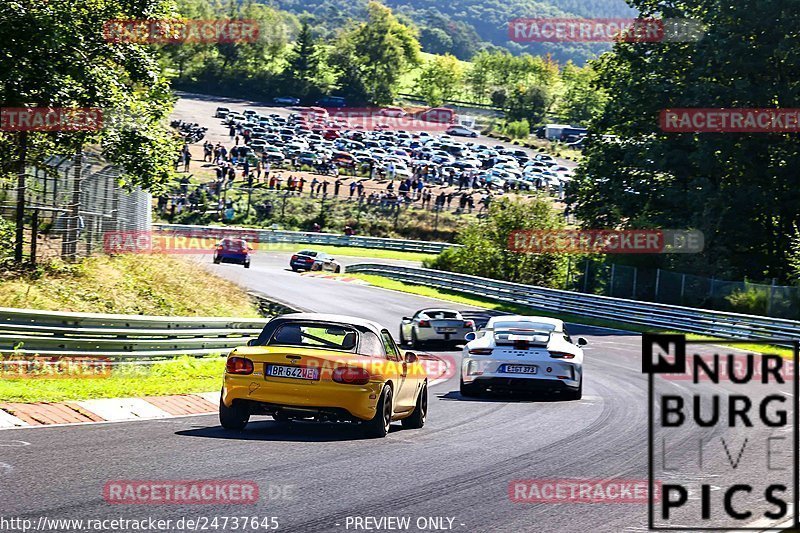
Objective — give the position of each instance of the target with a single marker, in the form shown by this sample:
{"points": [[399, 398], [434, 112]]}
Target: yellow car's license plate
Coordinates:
{"points": [[294, 372]]}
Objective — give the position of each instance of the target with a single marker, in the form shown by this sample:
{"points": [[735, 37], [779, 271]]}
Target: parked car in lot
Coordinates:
{"points": [[523, 353], [445, 326], [286, 100], [392, 112], [332, 101], [461, 131], [234, 118], [311, 260], [233, 250], [222, 112], [324, 368]]}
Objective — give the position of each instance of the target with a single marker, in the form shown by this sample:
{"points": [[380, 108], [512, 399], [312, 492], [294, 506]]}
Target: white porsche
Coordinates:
{"points": [[523, 353]]}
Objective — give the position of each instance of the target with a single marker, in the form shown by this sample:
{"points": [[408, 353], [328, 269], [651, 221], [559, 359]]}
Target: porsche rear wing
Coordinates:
{"points": [[533, 337]]}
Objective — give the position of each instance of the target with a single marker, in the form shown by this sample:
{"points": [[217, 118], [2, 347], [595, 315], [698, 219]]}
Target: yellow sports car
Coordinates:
{"points": [[328, 368]]}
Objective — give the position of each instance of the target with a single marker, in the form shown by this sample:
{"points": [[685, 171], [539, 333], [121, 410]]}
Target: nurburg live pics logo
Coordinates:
{"points": [[722, 443]]}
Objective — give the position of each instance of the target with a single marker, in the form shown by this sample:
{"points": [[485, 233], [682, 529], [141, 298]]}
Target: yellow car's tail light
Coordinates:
{"points": [[351, 375], [239, 365]]}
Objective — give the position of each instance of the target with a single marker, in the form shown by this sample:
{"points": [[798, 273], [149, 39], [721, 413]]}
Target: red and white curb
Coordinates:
{"points": [[18, 415], [29, 415]]}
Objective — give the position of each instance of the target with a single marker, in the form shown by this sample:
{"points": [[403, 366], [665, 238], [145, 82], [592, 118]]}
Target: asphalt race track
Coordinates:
{"points": [[459, 466]]}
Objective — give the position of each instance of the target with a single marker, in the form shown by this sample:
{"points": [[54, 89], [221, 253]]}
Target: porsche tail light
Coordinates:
{"points": [[562, 355], [351, 375], [239, 365], [294, 258], [469, 323], [481, 351], [424, 323]]}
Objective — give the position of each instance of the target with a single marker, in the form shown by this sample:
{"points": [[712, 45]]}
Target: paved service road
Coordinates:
{"points": [[459, 466]]}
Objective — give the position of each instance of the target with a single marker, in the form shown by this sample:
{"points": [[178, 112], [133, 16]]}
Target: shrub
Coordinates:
{"points": [[519, 129]]}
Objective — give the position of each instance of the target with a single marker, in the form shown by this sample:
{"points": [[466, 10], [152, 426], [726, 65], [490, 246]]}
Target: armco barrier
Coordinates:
{"points": [[28, 332], [267, 236], [668, 317]]}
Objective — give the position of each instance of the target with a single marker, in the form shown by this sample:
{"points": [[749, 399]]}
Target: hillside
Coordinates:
{"points": [[462, 27]]}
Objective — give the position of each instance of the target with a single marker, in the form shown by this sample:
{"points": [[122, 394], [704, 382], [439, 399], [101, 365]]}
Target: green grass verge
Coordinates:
{"points": [[164, 285], [179, 376], [348, 251], [486, 303]]}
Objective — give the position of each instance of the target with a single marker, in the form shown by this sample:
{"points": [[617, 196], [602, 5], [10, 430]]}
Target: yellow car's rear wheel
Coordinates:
{"points": [[378, 426], [234, 417]]}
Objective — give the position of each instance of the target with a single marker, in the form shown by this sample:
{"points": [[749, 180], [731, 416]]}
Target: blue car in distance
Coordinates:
{"points": [[233, 250]]}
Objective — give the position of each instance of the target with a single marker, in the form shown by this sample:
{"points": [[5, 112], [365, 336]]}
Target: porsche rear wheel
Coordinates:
{"points": [[420, 414], [576, 394], [378, 426], [234, 417], [469, 390]]}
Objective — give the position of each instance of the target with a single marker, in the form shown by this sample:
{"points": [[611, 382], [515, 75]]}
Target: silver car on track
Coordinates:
{"points": [[435, 325]]}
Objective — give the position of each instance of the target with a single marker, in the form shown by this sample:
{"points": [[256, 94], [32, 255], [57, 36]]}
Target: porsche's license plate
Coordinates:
{"points": [[294, 372], [445, 330], [519, 369]]}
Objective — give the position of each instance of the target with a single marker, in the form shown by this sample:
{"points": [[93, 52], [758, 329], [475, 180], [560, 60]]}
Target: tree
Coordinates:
{"points": [[304, 62], [581, 99], [59, 57], [435, 41], [440, 80], [486, 252], [375, 54], [528, 103], [739, 189]]}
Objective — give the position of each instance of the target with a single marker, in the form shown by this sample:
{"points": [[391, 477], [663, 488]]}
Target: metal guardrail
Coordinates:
{"points": [[27, 332], [669, 317], [268, 236]]}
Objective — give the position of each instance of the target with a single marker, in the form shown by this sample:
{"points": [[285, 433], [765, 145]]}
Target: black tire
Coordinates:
{"points": [[234, 417], [338, 270], [217, 261], [294, 269], [415, 342], [575, 394], [247, 265], [378, 426], [469, 390], [420, 414]]}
